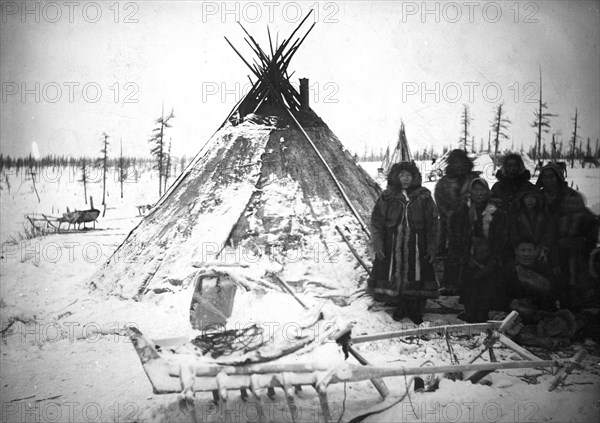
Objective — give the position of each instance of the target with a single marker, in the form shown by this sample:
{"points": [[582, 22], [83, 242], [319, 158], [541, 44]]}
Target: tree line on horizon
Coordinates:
{"points": [[161, 160], [498, 133]]}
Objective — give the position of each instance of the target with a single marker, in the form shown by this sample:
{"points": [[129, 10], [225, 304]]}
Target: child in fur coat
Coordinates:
{"points": [[487, 239]]}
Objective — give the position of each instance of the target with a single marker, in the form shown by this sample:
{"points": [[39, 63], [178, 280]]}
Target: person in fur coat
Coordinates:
{"points": [[487, 240], [528, 218], [577, 237], [404, 231], [513, 178], [452, 194]]}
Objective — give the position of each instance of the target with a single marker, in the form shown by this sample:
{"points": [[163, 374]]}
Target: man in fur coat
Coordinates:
{"points": [[452, 194], [513, 178]]}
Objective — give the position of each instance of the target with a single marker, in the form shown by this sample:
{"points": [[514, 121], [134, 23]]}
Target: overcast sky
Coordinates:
{"points": [[108, 67]]}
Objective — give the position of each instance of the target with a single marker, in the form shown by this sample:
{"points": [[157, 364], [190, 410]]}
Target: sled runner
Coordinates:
{"points": [[222, 360]]}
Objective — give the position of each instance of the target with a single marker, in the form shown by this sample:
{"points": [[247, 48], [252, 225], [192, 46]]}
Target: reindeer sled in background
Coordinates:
{"points": [[591, 160], [43, 223]]}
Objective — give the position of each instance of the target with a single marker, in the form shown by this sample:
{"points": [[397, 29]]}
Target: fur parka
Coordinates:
{"points": [[413, 220], [506, 189]]}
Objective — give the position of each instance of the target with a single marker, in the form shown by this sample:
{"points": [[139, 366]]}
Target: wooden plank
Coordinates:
{"points": [[507, 342], [345, 373], [419, 331], [377, 382]]}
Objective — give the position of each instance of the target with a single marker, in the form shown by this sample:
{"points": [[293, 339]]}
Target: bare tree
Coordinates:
{"points": [[553, 145], [104, 152], [574, 138], [499, 126], [560, 149], [465, 119], [84, 177], [158, 149], [122, 170], [32, 172], [168, 165], [542, 120]]}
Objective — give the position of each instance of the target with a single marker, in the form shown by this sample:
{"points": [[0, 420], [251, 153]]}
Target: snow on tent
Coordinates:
{"points": [[267, 189], [400, 154]]}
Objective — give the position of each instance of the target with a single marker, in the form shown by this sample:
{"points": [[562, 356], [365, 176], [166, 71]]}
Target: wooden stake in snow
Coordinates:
{"points": [[567, 369], [32, 173]]}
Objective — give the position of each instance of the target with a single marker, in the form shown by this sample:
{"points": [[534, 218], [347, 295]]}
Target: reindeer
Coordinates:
{"points": [[88, 216], [78, 217], [69, 217], [591, 160]]}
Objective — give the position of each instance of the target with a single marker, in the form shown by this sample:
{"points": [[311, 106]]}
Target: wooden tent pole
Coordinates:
{"points": [[353, 250], [337, 182]]}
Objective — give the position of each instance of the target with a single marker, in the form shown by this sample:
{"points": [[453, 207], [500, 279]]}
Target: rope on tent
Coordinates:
{"points": [[337, 182]]}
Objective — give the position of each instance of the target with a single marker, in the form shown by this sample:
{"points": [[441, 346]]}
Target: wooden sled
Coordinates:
{"points": [[42, 224], [171, 368]]}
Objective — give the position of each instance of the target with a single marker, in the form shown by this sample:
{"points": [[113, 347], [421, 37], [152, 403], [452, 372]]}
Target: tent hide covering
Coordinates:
{"points": [[266, 191]]}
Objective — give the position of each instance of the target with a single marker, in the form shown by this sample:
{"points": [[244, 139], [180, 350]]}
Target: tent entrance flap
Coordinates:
{"points": [[212, 301]]}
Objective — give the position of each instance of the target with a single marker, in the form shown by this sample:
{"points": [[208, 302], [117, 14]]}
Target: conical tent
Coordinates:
{"points": [[270, 186], [401, 152]]}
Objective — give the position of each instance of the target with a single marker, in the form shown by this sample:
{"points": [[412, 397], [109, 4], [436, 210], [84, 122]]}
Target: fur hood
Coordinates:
{"points": [[524, 174], [458, 164], [551, 167], [392, 177], [482, 182]]}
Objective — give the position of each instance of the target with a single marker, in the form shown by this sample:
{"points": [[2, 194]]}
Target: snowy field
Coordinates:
{"points": [[64, 358]]}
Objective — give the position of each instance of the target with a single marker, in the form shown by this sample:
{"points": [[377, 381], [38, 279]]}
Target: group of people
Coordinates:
{"points": [[514, 246]]}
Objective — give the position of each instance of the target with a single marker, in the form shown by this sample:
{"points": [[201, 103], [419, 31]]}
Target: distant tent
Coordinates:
{"points": [[400, 154], [270, 186], [529, 164]]}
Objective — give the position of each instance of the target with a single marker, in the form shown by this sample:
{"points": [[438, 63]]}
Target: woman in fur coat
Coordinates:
{"points": [[404, 230]]}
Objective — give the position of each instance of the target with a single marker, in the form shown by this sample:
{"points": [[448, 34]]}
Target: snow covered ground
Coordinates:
{"points": [[64, 359]]}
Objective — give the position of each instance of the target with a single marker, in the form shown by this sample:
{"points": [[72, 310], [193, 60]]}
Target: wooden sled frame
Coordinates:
{"points": [[44, 224], [169, 377]]}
